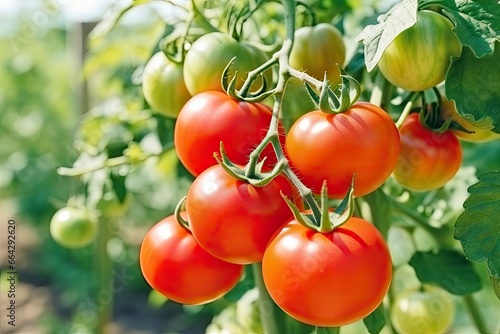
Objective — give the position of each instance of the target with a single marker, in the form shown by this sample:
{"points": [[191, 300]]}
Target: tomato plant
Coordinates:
{"points": [[420, 56], [221, 208], [173, 263], [163, 85], [320, 278], [261, 198], [73, 227], [320, 147], [211, 117], [428, 159], [209, 55], [426, 311]]}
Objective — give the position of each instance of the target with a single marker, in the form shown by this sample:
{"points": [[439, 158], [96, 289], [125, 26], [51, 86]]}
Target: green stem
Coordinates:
{"points": [[104, 296], [271, 316], [378, 90], [201, 20], [475, 313], [406, 111]]}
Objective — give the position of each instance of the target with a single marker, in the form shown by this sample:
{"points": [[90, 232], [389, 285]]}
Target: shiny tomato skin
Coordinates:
{"points": [[428, 159], [163, 85], [234, 220], [209, 55], [328, 279], [211, 117], [175, 265], [73, 227], [419, 57], [363, 140]]}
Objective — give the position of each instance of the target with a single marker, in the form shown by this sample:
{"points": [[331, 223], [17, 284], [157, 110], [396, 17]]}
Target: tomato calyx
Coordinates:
{"points": [[181, 206], [328, 220], [338, 100], [244, 95], [252, 174], [430, 113]]}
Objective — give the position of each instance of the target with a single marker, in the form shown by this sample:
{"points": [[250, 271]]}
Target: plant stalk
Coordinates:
{"points": [[104, 296], [474, 311], [271, 316]]}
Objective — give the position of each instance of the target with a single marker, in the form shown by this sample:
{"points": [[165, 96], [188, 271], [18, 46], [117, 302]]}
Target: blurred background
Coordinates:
{"points": [[51, 78]]}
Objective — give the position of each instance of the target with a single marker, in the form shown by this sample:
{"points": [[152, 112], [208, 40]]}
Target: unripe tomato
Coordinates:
{"points": [[163, 85], [209, 55], [416, 312], [448, 109], [73, 227], [419, 57], [317, 50], [175, 265], [328, 279], [362, 140], [428, 159]]}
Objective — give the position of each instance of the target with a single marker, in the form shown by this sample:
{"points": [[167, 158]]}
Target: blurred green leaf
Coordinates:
{"points": [[448, 269], [375, 321], [478, 227]]}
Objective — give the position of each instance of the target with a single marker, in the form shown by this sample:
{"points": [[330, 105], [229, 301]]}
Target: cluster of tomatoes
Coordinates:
{"points": [[317, 277]]}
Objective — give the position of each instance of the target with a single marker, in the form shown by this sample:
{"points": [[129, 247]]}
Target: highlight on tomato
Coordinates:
{"points": [[211, 117], [328, 279], [428, 159], [175, 265], [234, 220], [419, 57], [362, 140]]}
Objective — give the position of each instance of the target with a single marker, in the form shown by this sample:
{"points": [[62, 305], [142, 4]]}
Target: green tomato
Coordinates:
{"points": [[296, 102], [163, 85], [416, 312], [73, 227], [419, 57], [317, 50], [209, 55]]}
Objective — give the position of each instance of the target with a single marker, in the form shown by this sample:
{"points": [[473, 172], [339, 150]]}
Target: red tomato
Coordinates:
{"points": [[428, 159], [175, 265], [328, 279], [332, 147], [234, 220], [211, 117]]}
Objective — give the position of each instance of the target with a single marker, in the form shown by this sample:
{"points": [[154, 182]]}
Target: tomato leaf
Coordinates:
{"points": [[474, 84], [448, 269], [375, 321], [376, 38], [495, 285], [477, 23], [119, 188], [478, 227]]}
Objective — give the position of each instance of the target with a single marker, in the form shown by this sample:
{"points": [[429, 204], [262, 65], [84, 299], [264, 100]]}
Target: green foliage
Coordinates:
{"points": [[377, 38], [447, 269], [375, 322], [472, 99], [478, 227]]}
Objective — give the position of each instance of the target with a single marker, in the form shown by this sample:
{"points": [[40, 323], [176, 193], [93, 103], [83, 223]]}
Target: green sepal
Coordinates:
{"points": [[230, 88], [258, 179], [343, 97], [341, 214], [312, 94], [304, 219], [177, 214]]}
